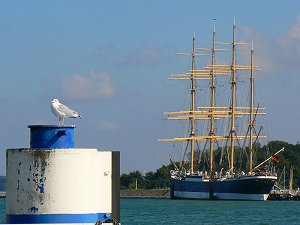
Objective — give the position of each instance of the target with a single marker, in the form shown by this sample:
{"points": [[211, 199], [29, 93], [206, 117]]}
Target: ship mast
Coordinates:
{"points": [[212, 102], [233, 98], [192, 113], [251, 121]]}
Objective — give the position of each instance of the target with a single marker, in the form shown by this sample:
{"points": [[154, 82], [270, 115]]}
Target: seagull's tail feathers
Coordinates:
{"points": [[76, 115]]}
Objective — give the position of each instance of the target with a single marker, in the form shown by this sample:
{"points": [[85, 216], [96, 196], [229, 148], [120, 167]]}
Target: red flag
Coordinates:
{"points": [[275, 158]]}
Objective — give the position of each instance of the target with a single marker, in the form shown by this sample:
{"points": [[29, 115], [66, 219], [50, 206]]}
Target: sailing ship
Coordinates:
{"points": [[214, 182]]}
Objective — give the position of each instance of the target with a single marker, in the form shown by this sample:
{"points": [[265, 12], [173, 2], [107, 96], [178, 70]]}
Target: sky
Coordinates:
{"points": [[110, 60]]}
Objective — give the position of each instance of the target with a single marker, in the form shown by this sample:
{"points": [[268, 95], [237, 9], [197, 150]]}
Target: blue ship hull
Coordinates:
{"points": [[241, 188]]}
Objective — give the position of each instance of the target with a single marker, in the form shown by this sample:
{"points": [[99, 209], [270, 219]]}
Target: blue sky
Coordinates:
{"points": [[110, 61]]}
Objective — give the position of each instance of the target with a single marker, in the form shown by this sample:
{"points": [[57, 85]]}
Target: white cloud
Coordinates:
{"points": [[276, 53], [108, 126], [83, 87]]}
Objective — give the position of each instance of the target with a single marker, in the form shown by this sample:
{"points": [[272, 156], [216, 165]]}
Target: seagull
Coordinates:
{"points": [[62, 111]]}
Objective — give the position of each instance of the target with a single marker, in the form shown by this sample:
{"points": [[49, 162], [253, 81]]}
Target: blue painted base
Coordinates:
{"points": [[56, 218]]}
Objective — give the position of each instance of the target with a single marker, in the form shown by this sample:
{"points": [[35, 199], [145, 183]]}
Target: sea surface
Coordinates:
{"points": [[193, 212]]}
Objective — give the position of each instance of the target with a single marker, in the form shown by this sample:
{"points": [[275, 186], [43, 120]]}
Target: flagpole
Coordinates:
{"points": [[267, 159]]}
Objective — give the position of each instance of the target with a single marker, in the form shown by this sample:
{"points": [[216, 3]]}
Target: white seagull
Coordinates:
{"points": [[62, 111]]}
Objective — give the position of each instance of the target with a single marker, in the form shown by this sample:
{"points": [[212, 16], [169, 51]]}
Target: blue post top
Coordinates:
{"points": [[51, 136]]}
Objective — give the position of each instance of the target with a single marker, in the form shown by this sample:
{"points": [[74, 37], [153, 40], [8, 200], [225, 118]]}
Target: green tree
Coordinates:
{"points": [[128, 180]]}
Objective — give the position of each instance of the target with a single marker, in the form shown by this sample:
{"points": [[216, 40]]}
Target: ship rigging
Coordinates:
{"points": [[211, 184]]}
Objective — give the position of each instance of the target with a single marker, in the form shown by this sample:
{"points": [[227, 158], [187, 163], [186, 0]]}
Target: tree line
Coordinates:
{"points": [[150, 180], [289, 158]]}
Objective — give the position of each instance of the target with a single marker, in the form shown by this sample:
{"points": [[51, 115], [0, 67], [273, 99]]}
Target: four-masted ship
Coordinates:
{"points": [[226, 183]]}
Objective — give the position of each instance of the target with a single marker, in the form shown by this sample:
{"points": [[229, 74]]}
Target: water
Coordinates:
{"points": [[193, 212], [2, 210], [190, 212]]}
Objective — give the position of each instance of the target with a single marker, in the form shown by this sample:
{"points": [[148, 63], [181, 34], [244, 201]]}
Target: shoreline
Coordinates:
{"points": [[147, 193], [151, 193]]}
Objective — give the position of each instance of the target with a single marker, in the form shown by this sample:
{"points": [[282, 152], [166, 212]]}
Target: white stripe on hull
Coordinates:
{"points": [[235, 196], [192, 195], [221, 196]]}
